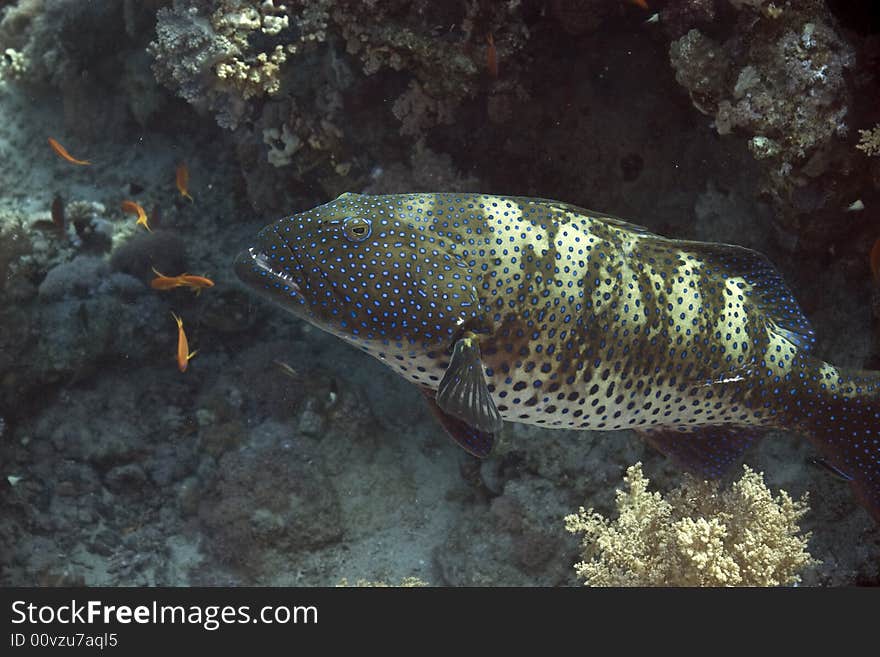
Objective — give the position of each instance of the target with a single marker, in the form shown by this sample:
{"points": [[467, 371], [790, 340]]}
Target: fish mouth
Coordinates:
{"points": [[252, 267]]}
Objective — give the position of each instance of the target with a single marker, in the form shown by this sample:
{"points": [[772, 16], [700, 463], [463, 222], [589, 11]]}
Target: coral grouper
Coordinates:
{"points": [[530, 310]]}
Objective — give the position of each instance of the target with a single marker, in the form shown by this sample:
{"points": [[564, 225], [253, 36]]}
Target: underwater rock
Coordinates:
{"points": [[513, 540], [188, 494], [778, 79], [17, 261], [128, 479], [701, 67], [310, 423], [161, 249], [63, 44], [85, 276], [170, 463], [102, 440], [270, 496], [76, 334], [75, 478]]}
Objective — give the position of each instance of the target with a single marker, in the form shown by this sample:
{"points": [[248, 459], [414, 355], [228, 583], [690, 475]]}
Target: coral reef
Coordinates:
{"points": [[869, 141], [777, 78], [282, 72], [78, 310], [698, 535], [203, 51], [61, 44]]}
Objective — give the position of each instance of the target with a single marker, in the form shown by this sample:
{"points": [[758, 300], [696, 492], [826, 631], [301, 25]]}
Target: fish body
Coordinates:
{"points": [[535, 311], [181, 179], [61, 152], [184, 355], [196, 283], [134, 208], [491, 56]]}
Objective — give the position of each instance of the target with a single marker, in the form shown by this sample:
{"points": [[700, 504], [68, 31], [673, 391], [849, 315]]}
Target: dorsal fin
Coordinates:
{"points": [[568, 208], [761, 283]]}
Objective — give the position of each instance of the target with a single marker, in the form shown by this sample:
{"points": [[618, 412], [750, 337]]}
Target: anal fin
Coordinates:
{"points": [[472, 440], [704, 451]]}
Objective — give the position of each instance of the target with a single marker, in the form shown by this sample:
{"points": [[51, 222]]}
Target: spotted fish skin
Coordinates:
{"points": [[583, 321]]}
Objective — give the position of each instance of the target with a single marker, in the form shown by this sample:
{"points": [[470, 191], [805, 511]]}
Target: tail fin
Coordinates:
{"points": [[840, 412]]}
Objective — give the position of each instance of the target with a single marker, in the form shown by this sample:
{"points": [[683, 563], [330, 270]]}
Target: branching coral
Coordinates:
{"points": [[699, 535], [207, 56], [253, 71], [869, 141]]}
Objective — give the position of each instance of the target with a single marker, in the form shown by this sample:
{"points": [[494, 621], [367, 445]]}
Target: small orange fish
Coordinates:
{"points": [[183, 353], [491, 56], [62, 152], [875, 261], [640, 3], [182, 178], [133, 208], [163, 282]]}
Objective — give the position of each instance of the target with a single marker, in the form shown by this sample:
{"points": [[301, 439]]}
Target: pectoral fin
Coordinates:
{"points": [[472, 440], [463, 392]]}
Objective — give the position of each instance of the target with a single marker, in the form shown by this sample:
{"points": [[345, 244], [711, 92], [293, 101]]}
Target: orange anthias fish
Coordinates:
{"points": [[62, 152], [182, 177], [491, 56], [163, 282], [875, 261], [641, 3], [134, 208], [183, 353]]}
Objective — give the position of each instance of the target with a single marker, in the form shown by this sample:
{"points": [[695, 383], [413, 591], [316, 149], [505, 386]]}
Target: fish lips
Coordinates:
{"points": [[252, 266]]}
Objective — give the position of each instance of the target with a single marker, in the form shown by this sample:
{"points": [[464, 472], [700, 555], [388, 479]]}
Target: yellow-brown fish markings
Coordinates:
{"points": [[536, 311]]}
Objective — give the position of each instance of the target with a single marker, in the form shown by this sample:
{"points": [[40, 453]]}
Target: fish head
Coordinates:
{"points": [[365, 269]]}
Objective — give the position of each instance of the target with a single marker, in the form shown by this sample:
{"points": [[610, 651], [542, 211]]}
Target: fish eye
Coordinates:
{"points": [[356, 229]]}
